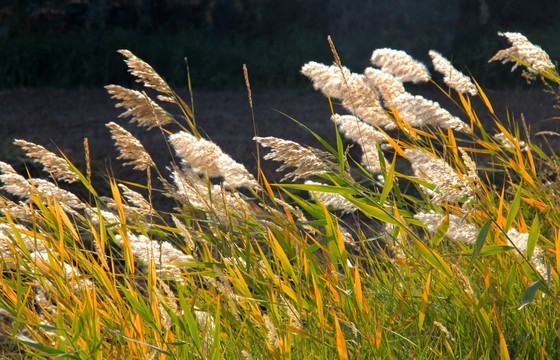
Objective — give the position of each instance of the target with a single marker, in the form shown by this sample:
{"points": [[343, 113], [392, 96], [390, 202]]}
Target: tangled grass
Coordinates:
{"points": [[441, 241]]}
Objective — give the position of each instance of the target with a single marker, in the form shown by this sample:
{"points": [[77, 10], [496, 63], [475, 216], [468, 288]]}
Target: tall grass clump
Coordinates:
{"points": [[433, 237]]}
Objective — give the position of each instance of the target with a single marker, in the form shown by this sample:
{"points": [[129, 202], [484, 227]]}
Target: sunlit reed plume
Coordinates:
{"points": [[14, 183], [56, 166], [451, 76], [449, 187], [522, 49], [292, 154], [204, 156], [145, 73], [419, 111], [459, 229], [139, 107], [519, 240], [165, 256], [141, 205], [355, 92], [401, 65], [508, 143], [337, 201], [388, 87], [130, 148], [364, 135]]}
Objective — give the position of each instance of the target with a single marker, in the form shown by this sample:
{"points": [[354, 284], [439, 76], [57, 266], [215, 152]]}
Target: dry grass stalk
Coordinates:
{"points": [[401, 65], [130, 148], [139, 107], [355, 92], [419, 111], [444, 330], [451, 76], [145, 73], [292, 154], [204, 156], [185, 232], [459, 230], [522, 49], [56, 166], [449, 186], [366, 136]]}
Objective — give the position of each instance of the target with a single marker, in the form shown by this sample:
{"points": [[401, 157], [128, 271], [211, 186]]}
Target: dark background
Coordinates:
{"points": [[72, 43]]}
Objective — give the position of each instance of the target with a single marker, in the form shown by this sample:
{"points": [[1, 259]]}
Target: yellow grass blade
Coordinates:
{"points": [[340, 343], [422, 312]]}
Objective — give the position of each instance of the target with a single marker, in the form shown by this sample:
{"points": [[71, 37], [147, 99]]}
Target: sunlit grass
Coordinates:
{"points": [[449, 250]]}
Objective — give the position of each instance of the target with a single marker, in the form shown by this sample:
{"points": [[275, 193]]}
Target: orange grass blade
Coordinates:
{"points": [[340, 343]]}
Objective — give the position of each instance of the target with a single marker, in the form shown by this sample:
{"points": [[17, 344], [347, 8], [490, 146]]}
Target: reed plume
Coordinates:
{"points": [[204, 156], [145, 73], [459, 229], [401, 65], [451, 76], [52, 164], [356, 93], [522, 49], [130, 148], [139, 107]]}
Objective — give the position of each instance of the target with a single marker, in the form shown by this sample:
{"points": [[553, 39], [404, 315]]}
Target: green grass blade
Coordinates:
{"points": [[530, 294], [533, 237], [481, 238]]}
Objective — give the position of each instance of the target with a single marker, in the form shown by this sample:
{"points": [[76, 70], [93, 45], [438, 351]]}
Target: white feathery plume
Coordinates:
{"points": [[459, 229], [14, 183], [449, 186], [292, 154], [505, 141], [145, 73], [165, 256], [451, 76], [336, 201], [49, 190], [366, 136], [519, 240], [353, 90], [141, 205], [52, 164], [401, 65], [139, 107], [130, 148], [386, 84], [205, 156], [522, 49], [419, 111], [7, 236]]}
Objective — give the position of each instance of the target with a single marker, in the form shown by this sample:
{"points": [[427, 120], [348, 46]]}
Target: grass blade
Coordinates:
{"points": [[530, 294], [481, 238]]}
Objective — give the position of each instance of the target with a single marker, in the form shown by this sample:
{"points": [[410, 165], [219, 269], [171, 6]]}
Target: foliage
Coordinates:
{"points": [[414, 251]]}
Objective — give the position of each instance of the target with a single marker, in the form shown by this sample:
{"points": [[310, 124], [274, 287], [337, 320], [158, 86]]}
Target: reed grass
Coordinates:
{"points": [[414, 250]]}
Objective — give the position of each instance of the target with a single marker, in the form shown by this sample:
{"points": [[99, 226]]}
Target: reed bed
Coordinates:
{"points": [[439, 239]]}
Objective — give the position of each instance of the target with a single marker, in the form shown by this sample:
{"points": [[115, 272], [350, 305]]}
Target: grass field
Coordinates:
{"points": [[413, 232]]}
